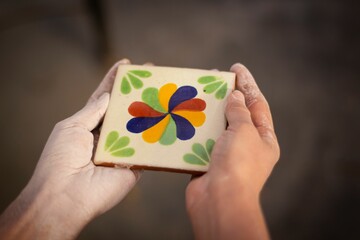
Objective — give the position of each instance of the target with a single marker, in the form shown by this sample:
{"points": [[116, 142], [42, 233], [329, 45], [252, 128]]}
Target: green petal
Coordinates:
{"points": [[169, 135], [141, 73], [126, 152], [151, 97], [210, 88], [220, 94], [200, 151], [110, 139], [207, 79], [120, 143], [193, 159], [137, 83], [125, 86], [209, 146]]}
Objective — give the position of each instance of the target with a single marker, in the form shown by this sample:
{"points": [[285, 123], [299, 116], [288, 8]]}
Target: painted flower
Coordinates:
{"points": [[214, 84], [167, 114]]}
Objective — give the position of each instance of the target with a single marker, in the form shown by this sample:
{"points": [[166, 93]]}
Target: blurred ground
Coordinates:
{"points": [[304, 55]]}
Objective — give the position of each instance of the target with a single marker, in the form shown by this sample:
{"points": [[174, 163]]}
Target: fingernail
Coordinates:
{"points": [[124, 61], [243, 74], [235, 98], [236, 94], [236, 65]]}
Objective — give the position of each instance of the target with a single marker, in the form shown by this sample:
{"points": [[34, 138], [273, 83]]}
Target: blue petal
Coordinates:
{"points": [[184, 129], [182, 94], [140, 124]]}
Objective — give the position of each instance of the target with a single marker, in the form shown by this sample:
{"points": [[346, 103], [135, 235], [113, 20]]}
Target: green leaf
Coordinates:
{"points": [[134, 77], [207, 79], [137, 83], [125, 86], [193, 159], [150, 96], [141, 73], [210, 88], [110, 139], [214, 83], [169, 135], [220, 94], [200, 151], [209, 146], [201, 155], [116, 146], [120, 143], [126, 152]]}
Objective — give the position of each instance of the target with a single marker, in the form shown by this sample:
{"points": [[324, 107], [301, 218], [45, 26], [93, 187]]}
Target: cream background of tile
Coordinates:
{"points": [[156, 154]]}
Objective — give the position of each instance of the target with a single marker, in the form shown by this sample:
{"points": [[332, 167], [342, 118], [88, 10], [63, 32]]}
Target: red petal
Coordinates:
{"points": [[140, 109], [194, 104]]}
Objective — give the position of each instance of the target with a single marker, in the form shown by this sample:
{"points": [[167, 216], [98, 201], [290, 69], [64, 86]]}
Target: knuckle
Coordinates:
{"points": [[62, 124], [243, 127], [258, 101], [236, 105], [238, 112], [275, 146], [92, 98], [270, 140], [277, 152], [247, 127], [71, 126]]}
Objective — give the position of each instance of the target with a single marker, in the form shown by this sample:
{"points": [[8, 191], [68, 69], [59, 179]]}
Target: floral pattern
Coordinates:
{"points": [[117, 146], [133, 78], [214, 84], [167, 114], [200, 154]]}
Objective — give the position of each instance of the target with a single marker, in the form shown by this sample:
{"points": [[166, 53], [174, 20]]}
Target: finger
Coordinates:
{"points": [[236, 111], [108, 81], [137, 173], [196, 176], [117, 183], [255, 101], [90, 116]]}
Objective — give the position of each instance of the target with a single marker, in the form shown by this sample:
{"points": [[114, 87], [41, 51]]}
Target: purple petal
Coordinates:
{"points": [[182, 94], [184, 129], [140, 124]]}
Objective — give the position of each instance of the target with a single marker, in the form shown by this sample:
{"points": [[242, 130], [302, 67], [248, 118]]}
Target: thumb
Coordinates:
{"points": [[90, 116], [236, 111]]}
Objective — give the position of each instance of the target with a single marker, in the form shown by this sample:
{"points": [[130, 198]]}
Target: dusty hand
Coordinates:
{"points": [[224, 202], [67, 190], [66, 166]]}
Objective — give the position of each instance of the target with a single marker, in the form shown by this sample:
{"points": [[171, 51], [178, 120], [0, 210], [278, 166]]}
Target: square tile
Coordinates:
{"points": [[164, 118]]}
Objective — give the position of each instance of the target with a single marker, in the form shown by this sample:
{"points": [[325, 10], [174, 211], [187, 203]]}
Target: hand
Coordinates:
{"points": [[224, 202], [67, 190]]}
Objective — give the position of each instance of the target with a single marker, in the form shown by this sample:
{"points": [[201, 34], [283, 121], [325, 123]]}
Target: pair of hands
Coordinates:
{"points": [[67, 190]]}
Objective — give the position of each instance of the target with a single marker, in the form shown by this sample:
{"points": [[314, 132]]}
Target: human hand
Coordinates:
{"points": [[67, 190], [224, 202]]}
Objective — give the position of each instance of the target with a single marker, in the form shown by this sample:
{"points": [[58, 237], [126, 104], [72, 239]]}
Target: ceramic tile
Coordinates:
{"points": [[164, 118]]}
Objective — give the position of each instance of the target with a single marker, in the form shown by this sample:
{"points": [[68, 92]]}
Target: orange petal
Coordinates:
{"points": [[165, 94], [154, 133], [195, 118]]}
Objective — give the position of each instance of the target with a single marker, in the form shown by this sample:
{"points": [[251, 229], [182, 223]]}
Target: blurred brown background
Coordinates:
{"points": [[304, 55]]}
